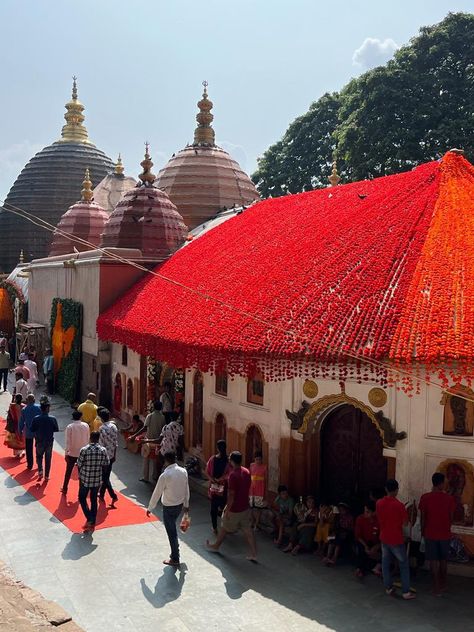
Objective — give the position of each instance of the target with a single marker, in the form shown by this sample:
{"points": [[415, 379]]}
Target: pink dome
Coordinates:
{"points": [[85, 220], [145, 218]]}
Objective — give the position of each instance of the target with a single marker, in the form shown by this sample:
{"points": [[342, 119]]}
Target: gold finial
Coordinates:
{"points": [[334, 178], [204, 134], [119, 166], [147, 177], [22, 257], [74, 130], [86, 188]]}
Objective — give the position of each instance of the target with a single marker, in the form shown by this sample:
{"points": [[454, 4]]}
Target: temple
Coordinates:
{"points": [[48, 185]]}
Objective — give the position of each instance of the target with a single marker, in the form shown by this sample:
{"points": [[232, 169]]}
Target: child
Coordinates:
{"points": [[258, 488], [302, 533], [344, 532], [323, 530], [283, 506]]}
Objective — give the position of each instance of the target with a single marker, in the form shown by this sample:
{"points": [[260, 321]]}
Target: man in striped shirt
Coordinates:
{"points": [[91, 463]]}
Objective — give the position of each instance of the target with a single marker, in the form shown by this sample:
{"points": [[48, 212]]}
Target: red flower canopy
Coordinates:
{"points": [[379, 270]]}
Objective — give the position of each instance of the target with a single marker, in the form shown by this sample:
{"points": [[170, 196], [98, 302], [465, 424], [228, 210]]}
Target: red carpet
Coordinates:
{"points": [[67, 508]]}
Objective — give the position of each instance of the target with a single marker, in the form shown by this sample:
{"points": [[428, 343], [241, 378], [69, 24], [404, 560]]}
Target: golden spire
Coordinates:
{"points": [[334, 178], [74, 130], [22, 257], [147, 177], [86, 188], [119, 166], [204, 134]]}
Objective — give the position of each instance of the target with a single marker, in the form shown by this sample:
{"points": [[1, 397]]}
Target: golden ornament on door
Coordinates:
{"points": [[377, 397], [310, 389]]}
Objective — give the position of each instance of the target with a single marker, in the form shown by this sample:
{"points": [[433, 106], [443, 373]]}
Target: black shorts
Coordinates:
{"points": [[436, 550]]}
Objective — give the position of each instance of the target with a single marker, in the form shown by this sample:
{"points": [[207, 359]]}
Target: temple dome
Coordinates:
{"points": [[48, 184], [113, 187], [85, 220], [146, 219], [202, 179]]}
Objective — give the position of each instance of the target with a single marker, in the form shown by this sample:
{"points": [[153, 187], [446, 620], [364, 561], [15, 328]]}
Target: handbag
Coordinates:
{"points": [[217, 489]]}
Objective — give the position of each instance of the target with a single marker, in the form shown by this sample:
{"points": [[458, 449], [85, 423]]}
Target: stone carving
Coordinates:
{"points": [[377, 397], [296, 418], [310, 389], [458, 417], [390, 435]]}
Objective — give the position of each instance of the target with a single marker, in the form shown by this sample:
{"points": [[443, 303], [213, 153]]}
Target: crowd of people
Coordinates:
{"points": [[377, 540]]}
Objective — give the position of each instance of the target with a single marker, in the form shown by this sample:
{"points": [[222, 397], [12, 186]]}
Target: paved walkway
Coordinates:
{"points": [[116, 581]]}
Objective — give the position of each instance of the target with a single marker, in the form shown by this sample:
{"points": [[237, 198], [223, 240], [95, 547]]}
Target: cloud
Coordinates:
{"points": [[374, 52], [12, 161]]}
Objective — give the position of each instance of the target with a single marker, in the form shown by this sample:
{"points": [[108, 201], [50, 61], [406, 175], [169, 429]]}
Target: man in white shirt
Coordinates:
{"points": [[33, 369], [21, 387], [77, 436], [173, 489]]}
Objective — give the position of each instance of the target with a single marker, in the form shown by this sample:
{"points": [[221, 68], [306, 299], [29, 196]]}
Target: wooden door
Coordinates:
{"points": [[253, 443], [352, 459], [220, 430]]}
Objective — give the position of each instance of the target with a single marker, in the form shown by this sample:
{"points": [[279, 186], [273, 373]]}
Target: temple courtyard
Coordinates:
{"points": [[115, 579]]}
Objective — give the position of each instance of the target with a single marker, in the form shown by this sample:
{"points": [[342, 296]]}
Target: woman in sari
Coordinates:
{"points": [[13, 438]]}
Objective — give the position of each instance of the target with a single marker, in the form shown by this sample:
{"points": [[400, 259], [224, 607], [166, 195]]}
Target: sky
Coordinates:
{"points": [[140, 65]]}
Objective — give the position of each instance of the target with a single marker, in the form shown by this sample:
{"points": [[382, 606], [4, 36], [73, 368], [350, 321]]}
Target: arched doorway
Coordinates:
{"points": [[352, 461], [220, 429], [197, 408], [253, 443]]}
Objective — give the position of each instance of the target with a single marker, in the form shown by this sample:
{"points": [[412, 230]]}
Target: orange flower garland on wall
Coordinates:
{"points": [[7, 321]]}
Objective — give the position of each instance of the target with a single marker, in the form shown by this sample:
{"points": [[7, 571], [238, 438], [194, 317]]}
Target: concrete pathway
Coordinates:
{"points": [[116, 581]]}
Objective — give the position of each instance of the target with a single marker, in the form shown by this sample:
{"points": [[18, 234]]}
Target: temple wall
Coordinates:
{"points": [[130, 371]]}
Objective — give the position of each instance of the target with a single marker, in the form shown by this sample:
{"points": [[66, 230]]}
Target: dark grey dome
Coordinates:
{"points": [[47, 186]]}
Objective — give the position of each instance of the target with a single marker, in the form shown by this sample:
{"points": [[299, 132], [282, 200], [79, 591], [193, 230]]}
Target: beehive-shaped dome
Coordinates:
{"points": [[202, 178], [145, 218], [48, 184], [85, 220], [113, 187]]}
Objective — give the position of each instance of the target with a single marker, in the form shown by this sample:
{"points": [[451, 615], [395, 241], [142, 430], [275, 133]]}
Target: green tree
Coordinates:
{"points": [[392, 118], [302, 160], [416, 107]]}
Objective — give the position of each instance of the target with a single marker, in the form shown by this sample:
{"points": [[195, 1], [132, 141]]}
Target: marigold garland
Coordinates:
{"points": [[337, 272]]}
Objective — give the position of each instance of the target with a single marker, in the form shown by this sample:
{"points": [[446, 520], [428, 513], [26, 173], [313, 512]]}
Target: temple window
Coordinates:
{"points": [[124, 355], [458, 417], [255, 390], [221, 384]]}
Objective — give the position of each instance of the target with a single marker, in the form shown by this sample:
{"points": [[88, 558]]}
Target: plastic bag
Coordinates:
{"points": [[185, 522]]}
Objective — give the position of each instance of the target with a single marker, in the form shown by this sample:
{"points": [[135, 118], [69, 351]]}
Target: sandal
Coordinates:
{"points": [[408, 596]]}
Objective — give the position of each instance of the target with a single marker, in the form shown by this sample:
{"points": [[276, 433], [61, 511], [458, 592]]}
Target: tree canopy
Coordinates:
{"points": [[389, 119]]}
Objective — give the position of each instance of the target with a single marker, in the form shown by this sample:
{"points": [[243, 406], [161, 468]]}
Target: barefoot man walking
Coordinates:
{"points": [[236, 514]]}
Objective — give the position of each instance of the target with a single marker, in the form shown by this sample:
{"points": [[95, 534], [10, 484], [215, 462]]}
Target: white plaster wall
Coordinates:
{"points": [[131, 371], [80, 283]]}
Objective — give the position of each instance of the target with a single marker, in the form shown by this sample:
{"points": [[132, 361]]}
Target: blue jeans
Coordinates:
{"points": [[399, 552], [89, 512], [170, 516]]}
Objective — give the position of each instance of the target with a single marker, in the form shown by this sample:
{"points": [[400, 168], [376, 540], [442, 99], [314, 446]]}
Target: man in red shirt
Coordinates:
{"points": [[437, 511], [236, 514], [392, 517], [368, 541]]}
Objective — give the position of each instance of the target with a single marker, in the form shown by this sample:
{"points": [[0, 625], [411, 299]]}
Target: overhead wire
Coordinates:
{"points": [[378, 364]]}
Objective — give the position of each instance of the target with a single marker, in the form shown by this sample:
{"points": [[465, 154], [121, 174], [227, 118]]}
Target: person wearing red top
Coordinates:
{"points": [[392, 517], [437, 511], [368, 541], [236, 514]]}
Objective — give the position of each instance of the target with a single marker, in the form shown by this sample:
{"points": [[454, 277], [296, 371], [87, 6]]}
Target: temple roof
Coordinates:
{"points": [[113, 187], [203, 179], [48, 184], [146, 219], [378, 270], [85, 220]]}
